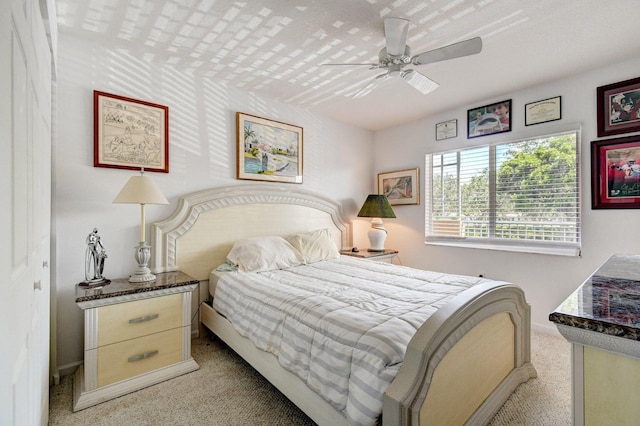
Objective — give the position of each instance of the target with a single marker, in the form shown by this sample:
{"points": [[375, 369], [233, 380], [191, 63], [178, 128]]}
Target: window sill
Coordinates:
{"points": [[519, 247]]}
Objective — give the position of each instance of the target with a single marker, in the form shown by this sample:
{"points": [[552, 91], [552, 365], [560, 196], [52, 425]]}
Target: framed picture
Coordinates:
{"points": [[615, 173], [401, 187], [268, 150], [489, 119], [447, 130], [542, 111], [619, 108], [130, 134]]}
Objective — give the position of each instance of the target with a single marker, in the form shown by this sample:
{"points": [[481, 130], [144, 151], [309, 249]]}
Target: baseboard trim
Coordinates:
{"points": [[67, 369]]}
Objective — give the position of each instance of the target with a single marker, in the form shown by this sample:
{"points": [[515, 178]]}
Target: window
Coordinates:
{"points": [[519, 196]]}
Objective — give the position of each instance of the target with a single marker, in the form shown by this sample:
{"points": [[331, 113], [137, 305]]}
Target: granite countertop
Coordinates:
{"points": [[365, 253], [122, 286], [608, 301]]}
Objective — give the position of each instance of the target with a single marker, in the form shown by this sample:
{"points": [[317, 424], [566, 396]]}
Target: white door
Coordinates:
{"points": [[25, 189]]}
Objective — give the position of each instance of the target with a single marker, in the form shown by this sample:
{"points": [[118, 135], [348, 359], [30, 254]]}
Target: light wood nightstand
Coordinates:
{"points": [[135, 335], [380, 256]]}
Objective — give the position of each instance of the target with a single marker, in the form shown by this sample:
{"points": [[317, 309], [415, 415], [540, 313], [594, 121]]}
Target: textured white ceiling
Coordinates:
{"points": [[276, 47]]}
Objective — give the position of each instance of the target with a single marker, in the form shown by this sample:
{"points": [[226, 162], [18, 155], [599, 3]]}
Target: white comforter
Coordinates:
{"points": [[341, 325]]}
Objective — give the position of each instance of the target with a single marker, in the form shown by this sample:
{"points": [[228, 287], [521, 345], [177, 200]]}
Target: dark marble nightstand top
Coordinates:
{"points": [[608, 301], [365, 254], [122, 286]]}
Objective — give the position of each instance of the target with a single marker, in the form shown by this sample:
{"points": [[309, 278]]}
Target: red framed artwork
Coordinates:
{"points": [[130, 134], [619, 108], [615, 173]]}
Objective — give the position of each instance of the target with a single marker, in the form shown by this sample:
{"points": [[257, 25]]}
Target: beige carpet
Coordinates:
{"points": [[227, 392]]}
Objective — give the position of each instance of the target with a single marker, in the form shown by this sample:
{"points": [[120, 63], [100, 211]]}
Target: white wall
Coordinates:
{"points": [[547, 280], [202, 155]]}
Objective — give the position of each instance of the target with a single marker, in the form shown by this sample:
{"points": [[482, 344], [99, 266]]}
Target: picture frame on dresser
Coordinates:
{"points": [[268, 150], [615, 173], [618, 108], [129, 133]]}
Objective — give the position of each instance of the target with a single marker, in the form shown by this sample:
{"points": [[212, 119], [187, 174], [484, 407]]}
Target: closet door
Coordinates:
{"points": [[25, 188]]}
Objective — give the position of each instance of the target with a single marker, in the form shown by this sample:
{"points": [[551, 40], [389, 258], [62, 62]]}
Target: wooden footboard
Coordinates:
{"points": [[465, 361]]}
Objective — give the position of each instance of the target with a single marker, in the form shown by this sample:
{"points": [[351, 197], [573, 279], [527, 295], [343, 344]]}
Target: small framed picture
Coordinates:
{"points": [[130, 134], [268, 150], [401, 187], [489, 119], [447, 130], [619, 108], [542, 111], [615, 173]]}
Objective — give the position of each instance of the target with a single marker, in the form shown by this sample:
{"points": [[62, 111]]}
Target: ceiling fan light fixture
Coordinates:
{"points": [[396, 30]]}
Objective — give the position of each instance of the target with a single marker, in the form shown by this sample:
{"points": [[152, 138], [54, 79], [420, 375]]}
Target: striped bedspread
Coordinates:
{"points": [[341, 325]]}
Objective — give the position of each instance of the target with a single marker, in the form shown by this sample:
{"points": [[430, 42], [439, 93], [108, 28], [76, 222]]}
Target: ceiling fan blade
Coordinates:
{"points": [[370, 86], [419, 82], [395, 32], [369, 65], [456, 50]]}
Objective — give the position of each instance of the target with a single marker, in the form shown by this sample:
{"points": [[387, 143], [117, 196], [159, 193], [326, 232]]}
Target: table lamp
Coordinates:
{"points": [[377, 207], [141, 190]]}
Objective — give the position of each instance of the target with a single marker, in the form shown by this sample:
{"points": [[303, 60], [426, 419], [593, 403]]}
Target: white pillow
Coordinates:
{"points": [[264, 254], [315, 245]]}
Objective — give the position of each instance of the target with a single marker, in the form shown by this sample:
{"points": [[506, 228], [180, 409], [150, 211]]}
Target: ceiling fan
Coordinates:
{"points": [[396, 55]]}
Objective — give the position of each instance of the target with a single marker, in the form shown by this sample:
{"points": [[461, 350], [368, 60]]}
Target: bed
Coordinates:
{"points": [[459, 367]]}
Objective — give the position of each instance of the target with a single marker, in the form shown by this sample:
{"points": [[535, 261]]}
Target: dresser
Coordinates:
{"points": [[601, 320], [135, 335]]}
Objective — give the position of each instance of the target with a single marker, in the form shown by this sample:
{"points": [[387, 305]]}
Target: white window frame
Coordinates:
{"points": [[512, 245]]}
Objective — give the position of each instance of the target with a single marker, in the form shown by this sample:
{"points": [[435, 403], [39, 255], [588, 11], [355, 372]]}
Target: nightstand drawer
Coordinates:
{"points": [[127, 359], [124, 321]]}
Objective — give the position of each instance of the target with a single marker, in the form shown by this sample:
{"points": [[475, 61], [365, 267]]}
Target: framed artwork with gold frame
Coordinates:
{"points": [[268, 150], [400, 187]]}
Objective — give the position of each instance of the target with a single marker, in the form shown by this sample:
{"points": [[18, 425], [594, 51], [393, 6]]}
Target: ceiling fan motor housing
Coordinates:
{"points": [[385, 59]]}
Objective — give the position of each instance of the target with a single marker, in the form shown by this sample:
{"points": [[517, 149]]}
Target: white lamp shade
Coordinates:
{"points": [[140, 190]]}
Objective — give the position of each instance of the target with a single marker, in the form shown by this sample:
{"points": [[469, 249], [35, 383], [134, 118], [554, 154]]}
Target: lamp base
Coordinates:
{"points": [[141, 278], [143, 273], [377, 234]]}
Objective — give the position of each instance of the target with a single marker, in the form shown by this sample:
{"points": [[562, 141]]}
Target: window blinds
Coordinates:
{"points": [[523, 192]]}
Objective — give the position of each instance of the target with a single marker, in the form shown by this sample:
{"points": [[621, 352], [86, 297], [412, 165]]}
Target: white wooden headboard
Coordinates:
{"points": [[198, 235]]}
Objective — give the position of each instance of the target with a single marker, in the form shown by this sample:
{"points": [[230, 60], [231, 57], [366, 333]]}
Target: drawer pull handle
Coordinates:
{"points": [[142, 356], [143, 319]]}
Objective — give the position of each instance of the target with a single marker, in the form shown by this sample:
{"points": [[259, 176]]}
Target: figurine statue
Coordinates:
{"points": [[94, 260]]}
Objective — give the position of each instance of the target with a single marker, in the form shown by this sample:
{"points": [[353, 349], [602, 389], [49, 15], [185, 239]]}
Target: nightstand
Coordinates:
{"points": [[135, 335], [380, 256]]}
